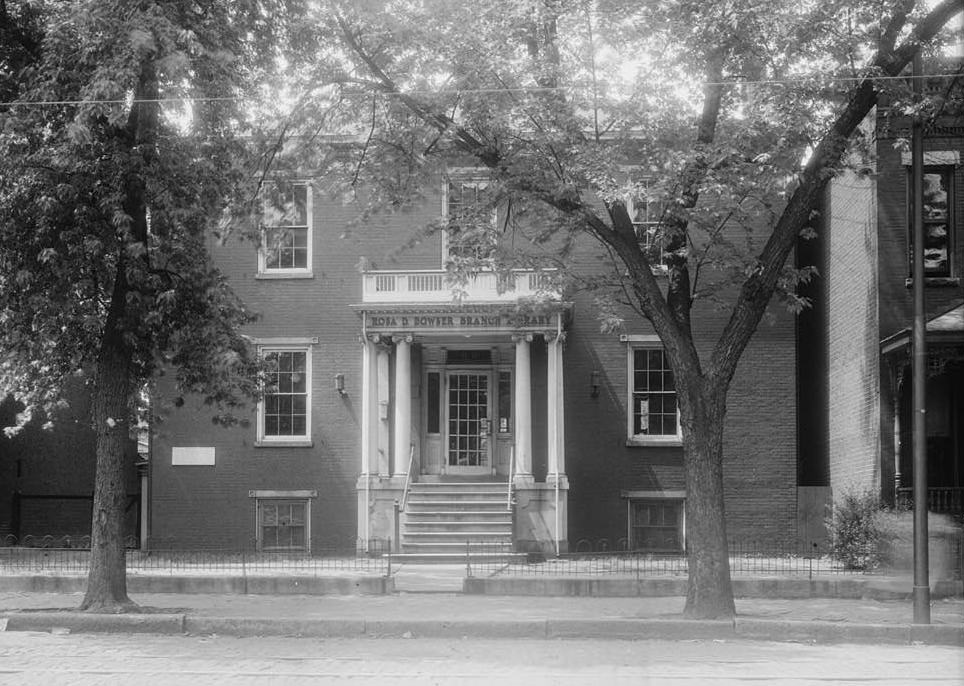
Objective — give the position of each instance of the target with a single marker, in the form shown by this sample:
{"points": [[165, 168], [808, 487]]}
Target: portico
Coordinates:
{"points": [[463, 390]]}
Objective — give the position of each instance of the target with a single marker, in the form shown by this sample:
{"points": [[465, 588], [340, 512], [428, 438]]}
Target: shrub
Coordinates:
{"points": [[856, 531]]}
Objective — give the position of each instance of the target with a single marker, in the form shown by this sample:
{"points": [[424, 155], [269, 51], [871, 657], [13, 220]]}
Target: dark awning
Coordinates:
{"points": [[944, 328]]}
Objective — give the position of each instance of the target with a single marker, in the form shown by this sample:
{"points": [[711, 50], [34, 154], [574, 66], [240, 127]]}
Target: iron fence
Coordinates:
{"points": [[243, 561], [747, 558]]}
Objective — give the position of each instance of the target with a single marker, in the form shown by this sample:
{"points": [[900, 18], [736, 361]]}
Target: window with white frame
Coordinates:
{"points": [[653, 415], [286, 239], [285, 409], [647, 211], [471, 219], [656, 524], [283, 524]]}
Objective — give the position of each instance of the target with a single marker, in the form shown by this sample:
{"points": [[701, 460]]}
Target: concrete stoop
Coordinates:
{"points": [[446, 520], [599, 629]]}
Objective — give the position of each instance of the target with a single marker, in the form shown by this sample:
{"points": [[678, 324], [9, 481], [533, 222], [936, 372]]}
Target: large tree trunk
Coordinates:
{"points": [[110, 409], [710, 594], [107, 576]]}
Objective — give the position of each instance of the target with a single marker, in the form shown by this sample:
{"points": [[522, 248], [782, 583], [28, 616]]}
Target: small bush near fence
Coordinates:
{"points": [[856, 530]]}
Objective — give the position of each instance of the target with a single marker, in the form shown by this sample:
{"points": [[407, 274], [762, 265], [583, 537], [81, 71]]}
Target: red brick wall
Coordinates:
{"points": [[852, 335], [204, 506], [58, 461]]}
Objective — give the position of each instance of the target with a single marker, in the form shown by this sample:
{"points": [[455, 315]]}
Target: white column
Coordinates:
{"points": [[403, 403], [555, 406], [367, 406], [381, 395], [523, 405]]}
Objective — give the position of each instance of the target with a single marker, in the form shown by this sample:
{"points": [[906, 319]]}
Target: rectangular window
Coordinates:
{"points": [[653, 414], [282, 525], [286, 229], [434, 400], [285, 409], [647, 211], [471, 218], [938, 221], [656, 525], [505, 402]]}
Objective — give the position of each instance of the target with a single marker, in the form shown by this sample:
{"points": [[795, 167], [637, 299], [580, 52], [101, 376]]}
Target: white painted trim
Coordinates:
{"points": [[470, 176], [192, 456], [291, 341], [674, 494], [283, 495], [290, 441], [637, 342], [292, 272], [277, 275]]}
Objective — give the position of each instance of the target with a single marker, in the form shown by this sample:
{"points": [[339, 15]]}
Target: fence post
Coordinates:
{"points": [[397, 523], [388, 574]]}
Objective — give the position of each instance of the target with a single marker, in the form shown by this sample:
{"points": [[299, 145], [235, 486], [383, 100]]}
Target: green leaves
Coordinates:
{"points": [[92, 194]]}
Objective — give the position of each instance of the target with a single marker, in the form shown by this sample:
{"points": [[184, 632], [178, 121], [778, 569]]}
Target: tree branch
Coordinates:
{"points": [[760, 286]]}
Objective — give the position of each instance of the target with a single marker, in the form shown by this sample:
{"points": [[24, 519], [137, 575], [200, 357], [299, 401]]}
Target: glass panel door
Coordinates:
{"points": [[469, 426]]}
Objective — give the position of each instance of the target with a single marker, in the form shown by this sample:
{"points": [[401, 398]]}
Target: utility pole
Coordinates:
{"points": [[922, 600]]}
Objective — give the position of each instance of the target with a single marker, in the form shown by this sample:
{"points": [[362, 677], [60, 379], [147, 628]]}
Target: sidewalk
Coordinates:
{"points": [[419, 610]]}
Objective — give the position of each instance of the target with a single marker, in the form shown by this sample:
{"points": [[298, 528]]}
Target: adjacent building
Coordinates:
{"points": [[856, 426], [47, 476]]}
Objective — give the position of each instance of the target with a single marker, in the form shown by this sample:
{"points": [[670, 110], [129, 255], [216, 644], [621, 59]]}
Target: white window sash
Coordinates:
{"points": [[644, 342], [262, 437], [263, 267]]}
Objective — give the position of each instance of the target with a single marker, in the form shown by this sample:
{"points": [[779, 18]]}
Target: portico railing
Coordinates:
{"points": [[508, 496], [408, 476], [944, 499], [438, 286]]}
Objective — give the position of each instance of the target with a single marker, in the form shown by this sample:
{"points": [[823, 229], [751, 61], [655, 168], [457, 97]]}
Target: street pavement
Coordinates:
{"points": [[59, 659], [426, 604]]}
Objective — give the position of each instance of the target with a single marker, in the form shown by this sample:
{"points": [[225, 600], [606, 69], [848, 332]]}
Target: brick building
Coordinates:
{"points": [[856, 419], [47, 476], [411, 408]]}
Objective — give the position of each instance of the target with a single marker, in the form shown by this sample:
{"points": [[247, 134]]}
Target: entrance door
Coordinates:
{"points": [[468, 423]]}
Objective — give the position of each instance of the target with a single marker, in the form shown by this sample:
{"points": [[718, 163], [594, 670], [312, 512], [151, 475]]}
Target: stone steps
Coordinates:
{"points": [[442, 518]]}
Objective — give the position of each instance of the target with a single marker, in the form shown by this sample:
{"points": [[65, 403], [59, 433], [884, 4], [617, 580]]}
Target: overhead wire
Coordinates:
{"points": [[462, 91]]}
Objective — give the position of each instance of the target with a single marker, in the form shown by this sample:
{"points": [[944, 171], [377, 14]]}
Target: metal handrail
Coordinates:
{"points": [[508, 497], [408, 476]]}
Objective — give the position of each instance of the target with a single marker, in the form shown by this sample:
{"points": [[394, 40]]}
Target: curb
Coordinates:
{"points": [[608, 629], [776, 588], [89, 623]]}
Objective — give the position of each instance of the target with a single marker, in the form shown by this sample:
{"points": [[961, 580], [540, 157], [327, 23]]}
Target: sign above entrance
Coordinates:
{"points": [[463, 321]]}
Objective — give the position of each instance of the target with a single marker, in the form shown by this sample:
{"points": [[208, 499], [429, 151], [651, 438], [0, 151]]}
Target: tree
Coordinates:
{"points": [[121, 144], [740, 112]]}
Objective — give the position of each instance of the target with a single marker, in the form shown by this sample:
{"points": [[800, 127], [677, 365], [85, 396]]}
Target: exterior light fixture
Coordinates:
{"points": [[340, 384], [594, 384]]}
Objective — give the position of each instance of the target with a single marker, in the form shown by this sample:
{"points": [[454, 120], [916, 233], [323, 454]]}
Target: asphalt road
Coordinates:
{"points": [[86, 659]]}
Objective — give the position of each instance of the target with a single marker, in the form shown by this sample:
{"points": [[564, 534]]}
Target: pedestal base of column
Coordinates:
{"points": [[381, 516], [541, 519], [523, 480]]}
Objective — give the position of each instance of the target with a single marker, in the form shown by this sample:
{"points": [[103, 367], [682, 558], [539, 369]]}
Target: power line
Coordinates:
{"points": [[460, 91]]}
